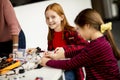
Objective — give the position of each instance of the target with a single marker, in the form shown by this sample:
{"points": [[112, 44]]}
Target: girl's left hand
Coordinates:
{"points": [[44, 60]]}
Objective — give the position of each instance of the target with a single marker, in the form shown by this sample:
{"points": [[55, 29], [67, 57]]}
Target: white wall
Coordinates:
{"points": [[32, 20]]}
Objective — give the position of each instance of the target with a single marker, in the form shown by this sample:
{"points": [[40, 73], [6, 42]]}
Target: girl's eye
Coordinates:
{"points": [[47, 18], [77, 28], [53, 17]]}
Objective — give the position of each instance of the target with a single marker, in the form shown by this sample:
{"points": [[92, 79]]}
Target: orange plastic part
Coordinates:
{"points": [[10, 67]]}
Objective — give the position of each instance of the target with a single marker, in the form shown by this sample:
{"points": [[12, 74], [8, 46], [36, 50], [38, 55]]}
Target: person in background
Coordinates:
{"points": [[99, 57], [11, 35], [61, 34]]}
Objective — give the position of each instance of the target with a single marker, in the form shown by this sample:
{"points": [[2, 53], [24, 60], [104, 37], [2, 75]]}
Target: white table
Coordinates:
{"points": [[46, 73]]}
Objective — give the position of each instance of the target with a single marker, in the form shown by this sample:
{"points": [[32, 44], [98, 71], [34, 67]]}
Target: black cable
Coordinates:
{"points": [[39, 50]]}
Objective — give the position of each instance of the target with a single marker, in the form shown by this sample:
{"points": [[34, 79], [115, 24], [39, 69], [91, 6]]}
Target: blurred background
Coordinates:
{"points": [[23, 2], [109, 9]]}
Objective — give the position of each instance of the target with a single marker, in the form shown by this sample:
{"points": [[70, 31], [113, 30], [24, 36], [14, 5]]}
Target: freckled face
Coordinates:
{"points": [[53, 20]]}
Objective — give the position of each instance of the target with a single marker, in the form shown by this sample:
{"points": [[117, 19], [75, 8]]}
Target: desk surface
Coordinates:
{"points": [[46, 73]]}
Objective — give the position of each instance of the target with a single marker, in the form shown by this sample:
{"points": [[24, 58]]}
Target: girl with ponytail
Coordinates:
{"points": [[99, 57]]}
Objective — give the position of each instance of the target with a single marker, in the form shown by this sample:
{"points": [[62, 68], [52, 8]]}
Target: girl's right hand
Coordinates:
{"points": [[31, 50], [57, 54]]}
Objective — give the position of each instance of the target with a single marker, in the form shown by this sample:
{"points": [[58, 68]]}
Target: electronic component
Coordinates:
{"points": [[7, 65]]}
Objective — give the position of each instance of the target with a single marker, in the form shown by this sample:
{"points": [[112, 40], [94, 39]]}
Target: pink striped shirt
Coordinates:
{"points": [[97, 58], [8, 22]]}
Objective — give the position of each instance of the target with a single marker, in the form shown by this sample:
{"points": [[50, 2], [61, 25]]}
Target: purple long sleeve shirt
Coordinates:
{"points": [[97, 58]]}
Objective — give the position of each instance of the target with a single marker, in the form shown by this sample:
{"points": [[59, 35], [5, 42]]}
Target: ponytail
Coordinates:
{"points": [[107, 29], [116, 50]]}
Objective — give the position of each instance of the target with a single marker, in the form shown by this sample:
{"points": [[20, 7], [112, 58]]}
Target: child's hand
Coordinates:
{"points": [[57, 54], [31, 50], [48, 54], [59, 50], [44, 60]]}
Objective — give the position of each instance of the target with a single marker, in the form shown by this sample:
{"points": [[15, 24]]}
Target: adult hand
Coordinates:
{"points": [[10, 55]]}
